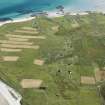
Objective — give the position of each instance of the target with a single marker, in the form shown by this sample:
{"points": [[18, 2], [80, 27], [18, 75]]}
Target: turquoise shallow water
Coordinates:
{"points": [[18, 8]]}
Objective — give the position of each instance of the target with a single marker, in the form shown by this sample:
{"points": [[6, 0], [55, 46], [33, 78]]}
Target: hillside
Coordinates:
{"points": [[66, 53]]}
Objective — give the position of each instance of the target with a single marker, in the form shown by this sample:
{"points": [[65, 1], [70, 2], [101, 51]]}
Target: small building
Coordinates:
{"points": [[9, 96]]}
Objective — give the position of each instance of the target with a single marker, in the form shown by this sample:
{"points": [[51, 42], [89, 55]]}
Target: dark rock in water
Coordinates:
{"points": [[5, 19], [60, 7], [34, 14], [38, 13], [24, 11]]}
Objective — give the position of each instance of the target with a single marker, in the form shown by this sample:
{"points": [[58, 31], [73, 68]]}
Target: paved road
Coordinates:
{"points": [[3, 101]]}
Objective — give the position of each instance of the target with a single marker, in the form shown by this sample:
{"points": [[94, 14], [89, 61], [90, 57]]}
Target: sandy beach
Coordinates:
{"points": [[50, 15], [17, 20]]}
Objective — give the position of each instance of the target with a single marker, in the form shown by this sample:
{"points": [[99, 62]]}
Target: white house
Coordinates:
{"points": [[9, 96]]}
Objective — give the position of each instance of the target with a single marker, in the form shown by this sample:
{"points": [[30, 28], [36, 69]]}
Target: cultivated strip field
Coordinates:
{"points": [[17, 39], [38, 62], [26, 37], [16, 43], [26, 31], [31, 83], [10, 58], [10, 50]]}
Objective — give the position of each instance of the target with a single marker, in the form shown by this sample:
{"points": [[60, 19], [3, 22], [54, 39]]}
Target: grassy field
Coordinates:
{"points": [[74, 47]]}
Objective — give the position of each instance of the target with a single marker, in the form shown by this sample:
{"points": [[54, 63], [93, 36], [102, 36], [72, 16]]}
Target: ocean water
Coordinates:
{"points": [[18, 8]]}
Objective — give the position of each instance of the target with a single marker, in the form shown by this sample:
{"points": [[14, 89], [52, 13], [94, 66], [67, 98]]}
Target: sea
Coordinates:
{"points": [[11, 9]]}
